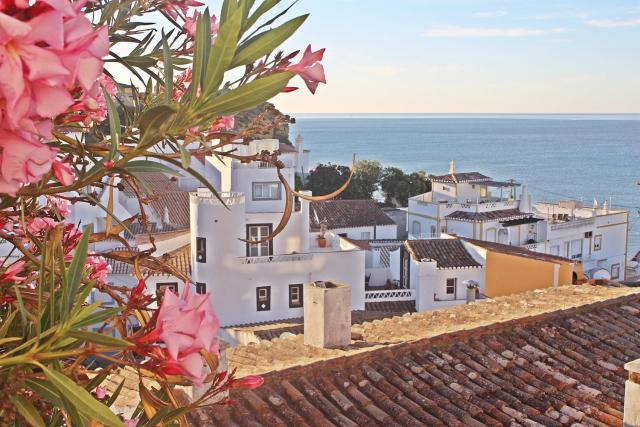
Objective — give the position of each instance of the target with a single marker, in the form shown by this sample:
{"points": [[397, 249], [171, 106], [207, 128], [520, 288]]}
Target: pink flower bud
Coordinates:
{"points": [[249, 382]]}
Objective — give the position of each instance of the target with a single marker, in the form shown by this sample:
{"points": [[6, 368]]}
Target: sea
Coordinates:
{"points": [[584, 157]]}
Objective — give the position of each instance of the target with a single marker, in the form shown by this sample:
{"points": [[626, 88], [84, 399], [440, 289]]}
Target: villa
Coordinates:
{"points": [[473, 205]]}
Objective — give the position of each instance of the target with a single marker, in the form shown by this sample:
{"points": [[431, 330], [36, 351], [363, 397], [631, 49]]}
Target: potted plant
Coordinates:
{"points": [[322, 240]]}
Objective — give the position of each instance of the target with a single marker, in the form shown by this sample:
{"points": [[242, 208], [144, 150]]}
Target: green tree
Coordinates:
{"points": [[324, 179], [398, 186], [367, 178]]}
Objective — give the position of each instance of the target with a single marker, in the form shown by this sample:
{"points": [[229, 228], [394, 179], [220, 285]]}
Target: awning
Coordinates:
{"points": [[500, 184], [520, 221]]}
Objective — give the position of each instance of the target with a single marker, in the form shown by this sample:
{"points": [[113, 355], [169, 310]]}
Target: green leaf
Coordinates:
{"points": [[115, 394], [223, 51], [228, 7], [9, 340], [76, 268], [264, 7], [201, 50], [6, 324], [27, 410], [247, 96], [81, 399], [154, 117], [95, 316], [114, 125], [149, 166], [264, 43], [99, 338], [168, 70], [185, 156], [45, 390]]}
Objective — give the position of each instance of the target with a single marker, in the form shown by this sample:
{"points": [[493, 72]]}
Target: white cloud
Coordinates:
{"points": [[613, 23], [457, 31], [491, 14]]}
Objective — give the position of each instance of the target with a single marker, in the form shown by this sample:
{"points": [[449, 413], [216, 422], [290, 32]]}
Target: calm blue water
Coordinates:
{"points": [[559, 156]]}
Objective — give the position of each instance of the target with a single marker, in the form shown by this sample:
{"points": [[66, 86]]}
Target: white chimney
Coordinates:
{"points": [[525, 200], [299, 143], [595, 204], [605, 206], [327, 314], [452, 167]]}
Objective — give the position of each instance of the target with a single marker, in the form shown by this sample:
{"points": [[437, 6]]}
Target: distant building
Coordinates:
{"points": [[473, 205]]}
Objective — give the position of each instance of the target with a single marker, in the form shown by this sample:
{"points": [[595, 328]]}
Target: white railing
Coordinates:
{"points": [[390, 295], [572, 223], [206, 196], [275, 258], [424, 236]]}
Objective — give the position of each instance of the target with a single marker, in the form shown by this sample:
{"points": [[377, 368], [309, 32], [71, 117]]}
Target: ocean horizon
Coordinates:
{"points": [[560, 156]]}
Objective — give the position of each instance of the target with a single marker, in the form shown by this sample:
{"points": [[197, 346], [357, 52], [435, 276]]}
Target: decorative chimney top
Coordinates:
{"points": [[165, 216], [525, 200], [595, 204], [605, 206], [452, 167]]}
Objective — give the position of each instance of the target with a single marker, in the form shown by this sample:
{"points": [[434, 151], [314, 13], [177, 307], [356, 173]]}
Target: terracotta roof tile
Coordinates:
{"points": [[447, 253], [556, 368], [499, 215], [516, 251], [179, 258], [460, 177], [347, 213]]}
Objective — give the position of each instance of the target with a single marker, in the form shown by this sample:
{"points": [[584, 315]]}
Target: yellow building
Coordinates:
{"points": [[512, 269]]}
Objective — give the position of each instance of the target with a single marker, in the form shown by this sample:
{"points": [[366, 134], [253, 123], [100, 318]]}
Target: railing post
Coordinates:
{"points": [[632, 395]]}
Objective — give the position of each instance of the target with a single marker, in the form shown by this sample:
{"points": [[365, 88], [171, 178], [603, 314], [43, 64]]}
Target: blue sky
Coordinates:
{"points": [[472, 56]]}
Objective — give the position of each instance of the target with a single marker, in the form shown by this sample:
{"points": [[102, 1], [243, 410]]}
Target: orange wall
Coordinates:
{"points": [[508, 274]]}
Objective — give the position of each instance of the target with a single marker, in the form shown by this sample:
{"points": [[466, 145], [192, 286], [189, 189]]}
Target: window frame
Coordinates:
{"points": [[259, 199], [597, 242], [269, 243], [299, 287], [266, 300], [201, 249], [200, 285], [455, 286], [162, 285], [615, 266]]}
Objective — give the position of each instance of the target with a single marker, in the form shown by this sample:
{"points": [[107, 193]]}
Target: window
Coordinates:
{"points": [[365, 235], [433, 231], [483, 191], [201, 249], [443, 229], [342, 234], [266, 190], [415, 228], [588, 234], [451, 286], [161, 288], [295, 295], [263, 298], [445, 188], [201, 288], [597, 242], [257, 232], [615, 271], [576, 248], [264, 165]]}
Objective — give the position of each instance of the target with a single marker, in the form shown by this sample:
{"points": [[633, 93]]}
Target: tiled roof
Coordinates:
{"points": [[177, 202], [558, 368], [152, 183], [346, 214], [516, 251], [461, 177], [447, 253], [499, 215], [179, 258], [520, 221]]}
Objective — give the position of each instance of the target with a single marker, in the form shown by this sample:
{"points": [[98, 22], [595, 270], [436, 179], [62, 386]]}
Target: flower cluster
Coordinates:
{"points": [[50, 56]]}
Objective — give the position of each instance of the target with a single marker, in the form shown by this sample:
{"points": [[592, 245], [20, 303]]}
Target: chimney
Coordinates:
{"points": [[165, 216], [327, 314], [605, 206], [299, 143], [632, 395], [452, 167], [472, 288], [525, 200]]}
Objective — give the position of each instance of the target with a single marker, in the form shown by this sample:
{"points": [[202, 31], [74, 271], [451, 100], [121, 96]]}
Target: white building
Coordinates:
{"points": [[262, 282], [473, 205]]}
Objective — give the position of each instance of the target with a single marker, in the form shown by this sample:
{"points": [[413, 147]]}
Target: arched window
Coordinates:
{"points": [[503, 236], [490, 235], [415, 228]]}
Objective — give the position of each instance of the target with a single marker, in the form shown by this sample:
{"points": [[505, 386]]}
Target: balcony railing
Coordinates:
{"points": [[390, 295], [205, 196], [275, 258], [424, 236], [573, 223]]}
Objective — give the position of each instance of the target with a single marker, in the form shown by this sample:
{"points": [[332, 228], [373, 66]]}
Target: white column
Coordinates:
{"points": [[556, 275]]}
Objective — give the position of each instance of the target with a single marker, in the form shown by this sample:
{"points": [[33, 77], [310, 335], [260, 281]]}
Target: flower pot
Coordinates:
{"points": [[322, 242]]}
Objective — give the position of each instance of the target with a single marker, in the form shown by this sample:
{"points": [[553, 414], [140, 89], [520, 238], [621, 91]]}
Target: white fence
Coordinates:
{"points": [[390, 295], [275, 258]]}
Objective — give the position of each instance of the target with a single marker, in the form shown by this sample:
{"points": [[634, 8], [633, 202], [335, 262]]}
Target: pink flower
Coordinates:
{"points": [[310, 69], [190, 23], [249, 382], [41, 224], [23, 159], [186, 325], [11, 273], [223, 123], [99, 268], [100, 392], [176, 7], [132, 422], [63, 172], [62, 205]]}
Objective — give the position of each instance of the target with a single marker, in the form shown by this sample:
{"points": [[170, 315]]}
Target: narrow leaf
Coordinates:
{"points": [[27, 410], [264, 7], [99, 338], [185, 156], [96, 317], [114, 125], [149, 166], [76, 268], [168, 70]]}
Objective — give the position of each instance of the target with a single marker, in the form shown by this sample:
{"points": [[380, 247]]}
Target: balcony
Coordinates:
{"points": [[424, 236], [275, 258], [203, 195], [390, 295]]}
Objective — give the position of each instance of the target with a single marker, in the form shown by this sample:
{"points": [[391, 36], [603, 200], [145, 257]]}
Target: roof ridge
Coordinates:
{"points": [[463, 335]]}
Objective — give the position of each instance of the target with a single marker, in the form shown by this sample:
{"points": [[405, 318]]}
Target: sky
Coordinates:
{"points": [[471, 56]]}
